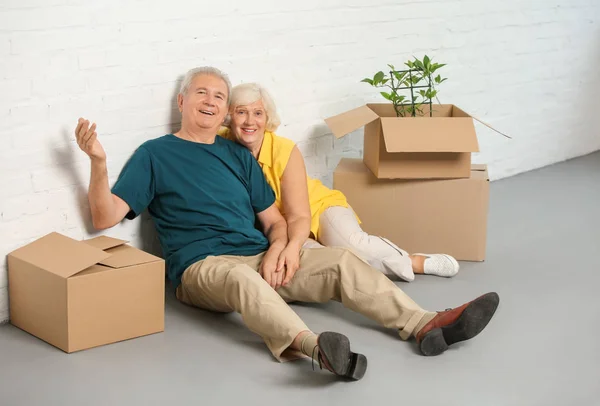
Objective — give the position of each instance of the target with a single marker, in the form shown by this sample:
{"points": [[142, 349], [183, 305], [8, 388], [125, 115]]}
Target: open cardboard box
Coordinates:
{"points": [[82, 294], [421, 147], [420, 216]]}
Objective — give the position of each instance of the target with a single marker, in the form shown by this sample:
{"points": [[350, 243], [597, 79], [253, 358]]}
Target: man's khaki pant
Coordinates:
{"points": [[232, 283]]}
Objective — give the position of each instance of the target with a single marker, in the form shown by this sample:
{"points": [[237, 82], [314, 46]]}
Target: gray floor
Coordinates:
{"points": [[542, 348]]}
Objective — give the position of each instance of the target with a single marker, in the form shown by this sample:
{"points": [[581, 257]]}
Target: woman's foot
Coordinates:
{"points": [[435, 264]]}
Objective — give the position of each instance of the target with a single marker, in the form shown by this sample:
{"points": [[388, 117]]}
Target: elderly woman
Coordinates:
{"points": [[311, 209]]}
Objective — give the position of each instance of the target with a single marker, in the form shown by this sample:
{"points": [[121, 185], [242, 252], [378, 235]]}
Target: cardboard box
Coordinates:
{"points": [[82, 294], [426, 216], [437, 147]]}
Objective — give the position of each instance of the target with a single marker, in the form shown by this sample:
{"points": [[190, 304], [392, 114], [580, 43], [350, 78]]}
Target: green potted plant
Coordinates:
{"points": [[411, 88]]}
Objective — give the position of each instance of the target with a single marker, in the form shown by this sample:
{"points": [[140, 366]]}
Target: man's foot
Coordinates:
{"points": [[435, 264], [458, 324], [335, 355]]}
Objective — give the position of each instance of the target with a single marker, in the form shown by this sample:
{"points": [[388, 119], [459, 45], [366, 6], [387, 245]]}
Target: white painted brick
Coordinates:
{"points": [[27, 42], [92, 58], [45, 87], [324, 145], [28, 4], [44, 18], [129, 98], [316, 166], [15, 184], [15, 207], [4, 45], [46, 64], [38, 225], [15, 90], [26, 113], [307, 148], [59, 176]]}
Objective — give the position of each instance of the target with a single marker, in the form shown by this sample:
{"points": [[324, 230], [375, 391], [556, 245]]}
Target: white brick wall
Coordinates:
{"points": [[525, 66]]}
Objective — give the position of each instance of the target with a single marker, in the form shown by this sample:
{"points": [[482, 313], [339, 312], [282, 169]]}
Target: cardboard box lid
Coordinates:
{"points": [[121, 255], [104, 242], [450, 130], [60, 255], [349, 121], [65, 257]]}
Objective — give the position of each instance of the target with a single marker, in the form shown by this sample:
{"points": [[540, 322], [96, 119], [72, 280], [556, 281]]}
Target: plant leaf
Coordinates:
{"points": [[378, 77], [386, 95], [419, 64], [367, 80]]}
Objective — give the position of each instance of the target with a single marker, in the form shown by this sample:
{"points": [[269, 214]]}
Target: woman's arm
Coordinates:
{"points": [[294, 196]]}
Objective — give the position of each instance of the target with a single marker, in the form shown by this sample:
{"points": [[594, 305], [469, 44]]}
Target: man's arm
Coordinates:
{"points": [[107, 209], [275, 228]]}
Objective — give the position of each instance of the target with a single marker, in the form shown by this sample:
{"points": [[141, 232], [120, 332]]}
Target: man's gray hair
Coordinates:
{"points": [[204, 70]]}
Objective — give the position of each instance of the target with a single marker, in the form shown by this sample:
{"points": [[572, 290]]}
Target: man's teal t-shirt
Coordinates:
{"points": [[202, 197]]}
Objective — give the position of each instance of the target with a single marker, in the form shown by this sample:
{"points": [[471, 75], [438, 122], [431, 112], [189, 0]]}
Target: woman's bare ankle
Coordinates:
{"points": [[418, 263]]}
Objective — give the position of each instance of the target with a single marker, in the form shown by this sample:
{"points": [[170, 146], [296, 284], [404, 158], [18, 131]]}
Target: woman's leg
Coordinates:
{"points": [[339, 227]]}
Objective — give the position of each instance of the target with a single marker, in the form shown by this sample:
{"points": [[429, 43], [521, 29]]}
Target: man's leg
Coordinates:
{"points": [[338, 274], [228, 283], [232, 283]]}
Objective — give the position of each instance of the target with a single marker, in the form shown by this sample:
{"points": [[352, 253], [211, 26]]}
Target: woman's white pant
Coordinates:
{"points": [[338, 227]]}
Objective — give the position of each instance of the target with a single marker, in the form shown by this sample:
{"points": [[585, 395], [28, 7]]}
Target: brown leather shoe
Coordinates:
{"points": [[458, 324]]}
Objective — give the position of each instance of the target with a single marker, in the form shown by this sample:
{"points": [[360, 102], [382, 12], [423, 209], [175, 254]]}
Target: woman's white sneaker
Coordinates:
{"points": [[440, 265]]}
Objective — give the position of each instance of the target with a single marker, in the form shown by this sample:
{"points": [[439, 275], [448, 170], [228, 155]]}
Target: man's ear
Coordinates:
{"points": [[180, 102]]}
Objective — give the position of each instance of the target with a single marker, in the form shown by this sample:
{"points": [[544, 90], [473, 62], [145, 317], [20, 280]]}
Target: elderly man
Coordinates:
{"points": [[205, 194]]}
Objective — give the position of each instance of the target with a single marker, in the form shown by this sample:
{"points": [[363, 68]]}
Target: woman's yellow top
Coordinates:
{"points": [[273, 158]]}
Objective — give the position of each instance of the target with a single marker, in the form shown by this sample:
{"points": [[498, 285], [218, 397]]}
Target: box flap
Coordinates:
{"points": [[458, 112], [429, 134], [479, 167], [60, 254], [349, 121], [104, 242], [124, 255]]}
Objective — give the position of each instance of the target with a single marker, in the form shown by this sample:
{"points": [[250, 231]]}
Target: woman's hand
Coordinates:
{"points": [[272, 270], [290, 258]]}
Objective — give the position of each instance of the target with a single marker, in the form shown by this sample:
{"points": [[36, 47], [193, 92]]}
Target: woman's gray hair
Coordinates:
{"points": [[204, 70], [248, 93]]}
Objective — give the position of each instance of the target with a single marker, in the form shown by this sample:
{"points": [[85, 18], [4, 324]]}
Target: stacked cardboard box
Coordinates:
{"points": [[416, 184]]}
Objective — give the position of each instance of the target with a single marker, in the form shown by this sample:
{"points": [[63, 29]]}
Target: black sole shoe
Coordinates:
{"points": [[471, 322], [334, 350]]}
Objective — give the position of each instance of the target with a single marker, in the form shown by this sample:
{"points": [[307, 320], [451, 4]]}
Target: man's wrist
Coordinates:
{"points": [[98, 161]]}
